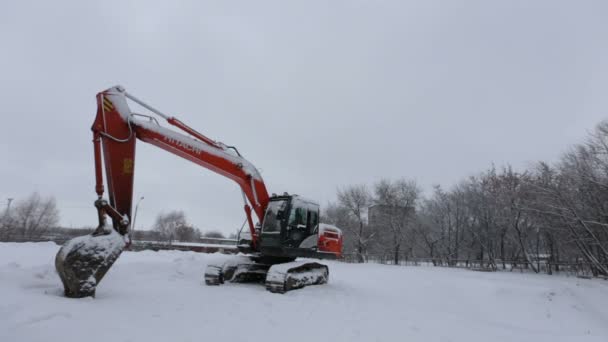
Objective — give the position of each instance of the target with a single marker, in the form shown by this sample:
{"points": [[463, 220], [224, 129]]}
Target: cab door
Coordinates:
{"points": [[302, 223]]}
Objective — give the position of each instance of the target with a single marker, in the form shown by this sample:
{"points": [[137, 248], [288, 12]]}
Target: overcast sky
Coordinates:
{"points": [[316, 94]]}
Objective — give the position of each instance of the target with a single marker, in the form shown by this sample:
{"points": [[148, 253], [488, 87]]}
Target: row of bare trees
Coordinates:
{"points": [[29, 218], [36, 218], [174, 226], [557, 213]]}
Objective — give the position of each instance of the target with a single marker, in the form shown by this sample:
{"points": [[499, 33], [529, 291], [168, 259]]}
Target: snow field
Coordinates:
{"points": [[160, 296]]}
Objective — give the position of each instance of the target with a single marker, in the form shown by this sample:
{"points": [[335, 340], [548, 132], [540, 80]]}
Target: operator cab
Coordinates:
{"points": [[290, 226]]}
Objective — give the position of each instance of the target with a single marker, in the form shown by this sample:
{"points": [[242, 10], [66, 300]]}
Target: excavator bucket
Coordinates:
{"points": [[83, 261]]}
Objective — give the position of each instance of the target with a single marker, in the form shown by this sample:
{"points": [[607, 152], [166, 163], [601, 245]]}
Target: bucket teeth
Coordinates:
{"points": [[83, 261]]}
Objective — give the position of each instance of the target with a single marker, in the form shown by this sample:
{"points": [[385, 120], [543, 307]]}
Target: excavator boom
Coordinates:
{"points": [[116, 128]]}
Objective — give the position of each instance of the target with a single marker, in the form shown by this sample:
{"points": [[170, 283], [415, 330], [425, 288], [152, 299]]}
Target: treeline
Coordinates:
{"points": [[557, 213], [29, 218], [174, 226], [36, 218]]}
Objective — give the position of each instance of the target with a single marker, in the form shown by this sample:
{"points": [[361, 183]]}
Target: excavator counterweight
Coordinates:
{"points": [[288, 226]]}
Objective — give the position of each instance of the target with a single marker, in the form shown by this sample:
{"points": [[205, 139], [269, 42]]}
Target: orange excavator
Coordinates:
{"points": [[287, 226]]}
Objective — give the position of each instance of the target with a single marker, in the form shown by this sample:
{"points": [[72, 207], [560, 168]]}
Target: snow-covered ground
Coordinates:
{"points": [[159, 296]]}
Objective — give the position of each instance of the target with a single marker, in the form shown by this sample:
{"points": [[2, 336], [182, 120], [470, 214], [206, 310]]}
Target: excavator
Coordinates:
{"points": [[287, 225]]}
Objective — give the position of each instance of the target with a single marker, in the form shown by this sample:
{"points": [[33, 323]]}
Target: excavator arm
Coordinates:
{"points": [[115, 132], [83, 261]]}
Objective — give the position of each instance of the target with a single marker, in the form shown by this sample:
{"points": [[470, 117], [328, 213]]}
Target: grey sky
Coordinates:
{"points": [[317, 94]]}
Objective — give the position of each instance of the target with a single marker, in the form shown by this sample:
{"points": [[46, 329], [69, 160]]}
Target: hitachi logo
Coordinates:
{"points": [[182, 144]]}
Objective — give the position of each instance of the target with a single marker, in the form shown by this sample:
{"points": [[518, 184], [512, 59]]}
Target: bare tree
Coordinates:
{"points": [[32, 217], [6, 226], [167, 224], [427, 235], [356, 199], [394, 212], [569, 195], [187, 233]]}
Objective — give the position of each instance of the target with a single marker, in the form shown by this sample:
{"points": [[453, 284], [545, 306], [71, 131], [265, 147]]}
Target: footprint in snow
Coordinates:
{"points": [[47, 317]]}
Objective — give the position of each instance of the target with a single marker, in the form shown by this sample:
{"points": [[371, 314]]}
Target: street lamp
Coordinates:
{"points": [[132, 232], [8, 204], [4, 220]]}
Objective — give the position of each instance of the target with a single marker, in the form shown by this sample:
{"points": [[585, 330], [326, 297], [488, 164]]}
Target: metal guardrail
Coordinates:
{"points": [[183, 246]]}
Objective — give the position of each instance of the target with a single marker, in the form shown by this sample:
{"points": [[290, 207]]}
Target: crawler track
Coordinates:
{"points": [[278, 278]]}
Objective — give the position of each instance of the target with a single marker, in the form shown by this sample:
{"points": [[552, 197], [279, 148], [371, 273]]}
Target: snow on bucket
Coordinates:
{"points": [[83, 261]]}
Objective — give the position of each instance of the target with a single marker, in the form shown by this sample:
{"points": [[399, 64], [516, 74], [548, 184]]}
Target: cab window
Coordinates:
{"points": [[301, 216], [313, 220], [298, 216], [272, 218]]}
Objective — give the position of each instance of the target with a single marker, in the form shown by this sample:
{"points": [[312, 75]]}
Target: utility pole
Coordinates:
{"points": [[5, 223], [8, 205], [132, 231]]}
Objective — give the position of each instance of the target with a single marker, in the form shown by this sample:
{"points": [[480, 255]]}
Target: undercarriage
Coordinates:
{"points": [[278, 277]]}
